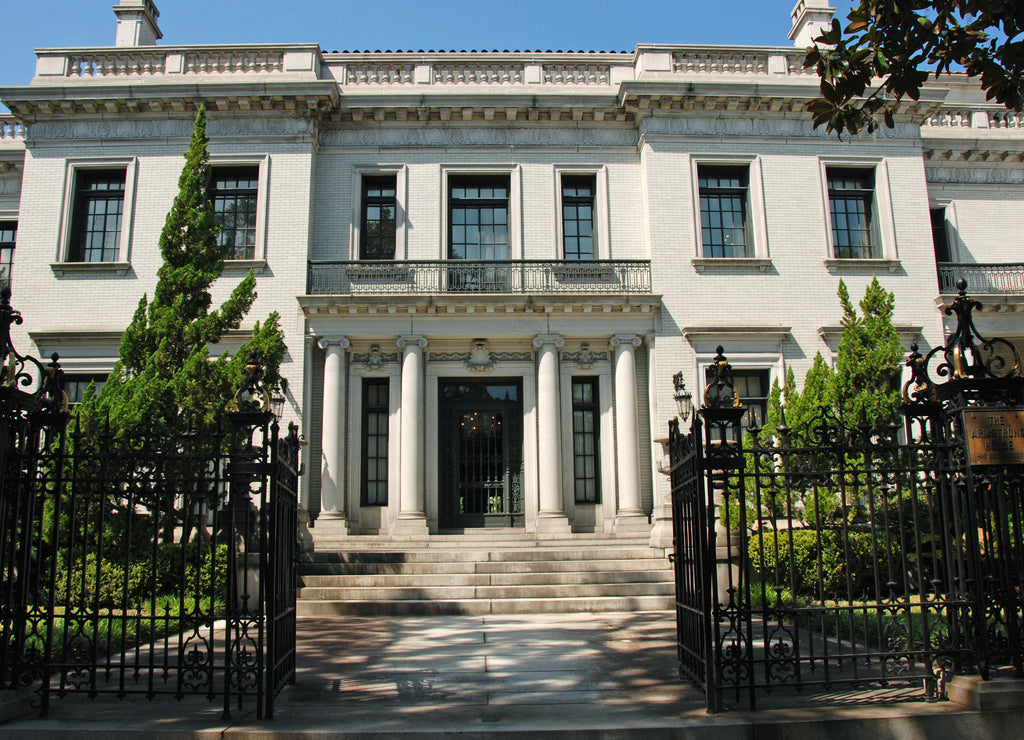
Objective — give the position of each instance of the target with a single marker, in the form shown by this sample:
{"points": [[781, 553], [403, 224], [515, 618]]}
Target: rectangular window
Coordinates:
{"points": [[585, 425], [77, 387], [851, 206], [578, 217], [8, 235], [375, 442], [233, 191], [723, 211], [96, 216], [377, 237], [478, 217], [940, 237], [753, 387]]}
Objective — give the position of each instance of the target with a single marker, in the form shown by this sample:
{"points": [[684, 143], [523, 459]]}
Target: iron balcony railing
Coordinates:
{"points": [[987, 278], [335, 277]]}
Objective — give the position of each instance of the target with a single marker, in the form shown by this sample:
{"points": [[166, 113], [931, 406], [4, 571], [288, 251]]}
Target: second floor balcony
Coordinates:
{"points": [[460, 277], [982, 279]]}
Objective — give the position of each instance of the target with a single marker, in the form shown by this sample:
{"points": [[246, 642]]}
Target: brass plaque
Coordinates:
{"points": [[995, 437]]}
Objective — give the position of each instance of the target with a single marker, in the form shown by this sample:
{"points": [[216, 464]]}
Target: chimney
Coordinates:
{"points": [[136, 23], [809, 16]]}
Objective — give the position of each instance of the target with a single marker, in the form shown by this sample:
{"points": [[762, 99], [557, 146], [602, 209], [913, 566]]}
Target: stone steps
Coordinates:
{"points": [[494, 573]]}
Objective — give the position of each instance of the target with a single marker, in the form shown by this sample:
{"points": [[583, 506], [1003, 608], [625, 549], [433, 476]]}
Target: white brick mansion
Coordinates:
{"points": [[490, 264]]}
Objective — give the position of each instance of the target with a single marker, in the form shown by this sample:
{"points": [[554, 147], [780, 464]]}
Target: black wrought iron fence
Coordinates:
{"points": [[145, 562], [834, 557]]}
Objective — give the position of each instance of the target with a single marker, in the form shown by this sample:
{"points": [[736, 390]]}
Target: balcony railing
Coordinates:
{"points": [[330, 277], [990, 278]]}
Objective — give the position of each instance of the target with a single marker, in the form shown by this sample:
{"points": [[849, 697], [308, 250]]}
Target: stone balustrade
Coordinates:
{"points": [[11, 128], [111, 63]]}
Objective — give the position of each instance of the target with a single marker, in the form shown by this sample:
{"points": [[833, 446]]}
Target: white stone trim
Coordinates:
{"points": [[262, 201], [884, 226], [515, 200], [401, 173], [756, 218], [602, 232], [72, 167]]}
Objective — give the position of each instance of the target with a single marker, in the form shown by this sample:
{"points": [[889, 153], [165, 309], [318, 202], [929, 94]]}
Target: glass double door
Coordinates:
{"points": [[481, 453]]}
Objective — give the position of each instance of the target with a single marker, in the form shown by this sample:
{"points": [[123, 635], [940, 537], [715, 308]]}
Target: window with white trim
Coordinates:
{"points": [[234, 192], [97, 214], [851, 201]]}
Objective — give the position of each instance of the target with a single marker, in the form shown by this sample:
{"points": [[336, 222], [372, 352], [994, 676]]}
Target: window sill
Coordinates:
{"points": [[60, 269], [257, 266], [836, 264], [762, 264]]}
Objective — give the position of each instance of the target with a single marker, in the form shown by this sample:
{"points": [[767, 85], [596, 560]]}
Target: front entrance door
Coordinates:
{"points": [[481, 456]]}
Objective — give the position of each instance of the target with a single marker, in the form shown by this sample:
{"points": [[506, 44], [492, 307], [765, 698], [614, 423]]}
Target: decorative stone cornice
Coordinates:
{"points": [[486, 307], [1007, 173], [585, 358], [732, 333]]}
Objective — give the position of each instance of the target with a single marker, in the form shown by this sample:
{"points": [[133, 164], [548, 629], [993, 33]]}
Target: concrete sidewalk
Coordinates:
{"points": [[584, 675]]}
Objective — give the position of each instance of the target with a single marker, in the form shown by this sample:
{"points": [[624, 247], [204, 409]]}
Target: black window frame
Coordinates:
{"points": [[378, 191], [8, 242], [92, 188], [940, 234], [756, 405], [244, 189], [586, 483], [75, 385], [714, 233], [573, 223], [373, 406], [479, 203], [849, 200]]}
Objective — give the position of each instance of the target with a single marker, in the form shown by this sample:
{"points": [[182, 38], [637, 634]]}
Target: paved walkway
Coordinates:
{"points": [[587, 675]]}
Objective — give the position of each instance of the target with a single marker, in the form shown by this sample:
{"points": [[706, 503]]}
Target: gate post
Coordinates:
{"points": [[982, 422]]}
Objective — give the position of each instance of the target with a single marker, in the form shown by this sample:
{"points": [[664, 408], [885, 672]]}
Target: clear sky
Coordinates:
{"points": [[609, 25]]}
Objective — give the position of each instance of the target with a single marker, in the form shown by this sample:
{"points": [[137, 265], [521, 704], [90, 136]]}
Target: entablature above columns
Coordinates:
{"points": [[344, 305]]}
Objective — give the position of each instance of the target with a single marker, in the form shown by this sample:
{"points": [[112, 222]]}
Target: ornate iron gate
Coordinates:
{"points": [[147, 562], [833, 557]]}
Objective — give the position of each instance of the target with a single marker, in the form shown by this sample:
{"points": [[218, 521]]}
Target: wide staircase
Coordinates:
{"points": [[496, 572]]}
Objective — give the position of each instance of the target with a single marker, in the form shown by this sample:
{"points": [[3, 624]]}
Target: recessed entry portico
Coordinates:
{"points": [[480, 453]]}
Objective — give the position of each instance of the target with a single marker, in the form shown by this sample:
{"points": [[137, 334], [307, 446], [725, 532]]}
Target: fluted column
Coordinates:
{"points": [[627, 438], [332, 439], [412, 499], [551, 509]]}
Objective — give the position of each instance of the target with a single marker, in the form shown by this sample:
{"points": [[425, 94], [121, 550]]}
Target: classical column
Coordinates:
{"points": [[332, 440], [551, 514], [412, 499], [627, 439]]}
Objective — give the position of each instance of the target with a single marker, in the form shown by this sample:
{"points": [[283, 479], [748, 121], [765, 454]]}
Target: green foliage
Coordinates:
{"points": [[165, 375], [195, 569], [815, 563], [866, 384], [897, 43]]}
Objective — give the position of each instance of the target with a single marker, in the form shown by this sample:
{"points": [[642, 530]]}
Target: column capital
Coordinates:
{"points": [[325, 342], [541, 339], [412, 340], [626, 339]]}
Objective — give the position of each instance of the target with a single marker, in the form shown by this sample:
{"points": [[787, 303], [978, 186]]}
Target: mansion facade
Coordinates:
{"points": [[490, 265]]}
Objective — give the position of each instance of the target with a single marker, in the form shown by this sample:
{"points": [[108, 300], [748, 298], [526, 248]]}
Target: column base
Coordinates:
{"points": [[553, 525], [329, 530], [411, 526], [633, 523], [661, 531]]}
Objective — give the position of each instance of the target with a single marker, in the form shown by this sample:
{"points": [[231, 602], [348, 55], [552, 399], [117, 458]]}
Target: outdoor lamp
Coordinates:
{"points": [[277, 400], [683, 397]]}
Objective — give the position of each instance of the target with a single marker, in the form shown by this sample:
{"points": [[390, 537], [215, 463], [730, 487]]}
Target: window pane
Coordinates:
{"points": [[375, 442], [379, 206], [578, 216], [723, 211], [585, 439], [851, 199], [233, 191]]}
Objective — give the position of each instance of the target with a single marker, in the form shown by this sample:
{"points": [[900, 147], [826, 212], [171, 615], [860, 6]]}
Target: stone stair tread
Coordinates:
{"points": [[546, 591], [425, 607], [532, 578]]}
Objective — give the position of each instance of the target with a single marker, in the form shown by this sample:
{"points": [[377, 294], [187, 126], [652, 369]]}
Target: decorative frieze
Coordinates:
{"points": [[414, 134], [374, 359], [585, 358], [170, 128], [1001, 175]]}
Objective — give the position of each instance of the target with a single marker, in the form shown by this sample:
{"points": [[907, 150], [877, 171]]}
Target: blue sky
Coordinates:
{"points": [[402, 24]]}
